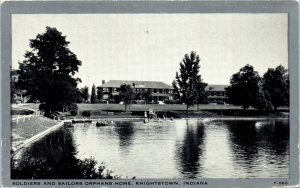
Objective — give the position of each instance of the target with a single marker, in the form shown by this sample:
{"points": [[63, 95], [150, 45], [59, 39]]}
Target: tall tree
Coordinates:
{"points": [[47, 72], [188, 82], [85, 93], [14, 92], [146, 95], [99, 94], [126, 94], [93, 94], [176, 90], [245, 88], [201, 96], [276, 86]]}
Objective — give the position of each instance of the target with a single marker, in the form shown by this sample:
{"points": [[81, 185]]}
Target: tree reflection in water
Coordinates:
{"points": [[250, 140], [53, 157], [125, 131], [189, 151], [245, 141]]}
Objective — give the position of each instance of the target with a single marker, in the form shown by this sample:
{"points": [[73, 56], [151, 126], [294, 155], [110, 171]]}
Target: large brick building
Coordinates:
{"points": [[216, 94], [158, 91]]}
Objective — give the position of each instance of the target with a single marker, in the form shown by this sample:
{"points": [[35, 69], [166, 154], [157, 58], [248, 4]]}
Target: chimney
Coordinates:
{"points": [[103, 81]]}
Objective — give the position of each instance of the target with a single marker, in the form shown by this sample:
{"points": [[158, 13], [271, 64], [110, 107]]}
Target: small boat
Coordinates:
{"points": [[101, 123], [81, 121]]}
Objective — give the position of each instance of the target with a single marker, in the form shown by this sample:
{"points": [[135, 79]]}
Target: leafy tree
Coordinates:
{"points": [[146, 95], [93, 94], [176, 90], [48, 69], [189, 85], [85, 93], [201, 96], [16, 94], [276, 86], [99, 94], [126, 94], [245, 89]]}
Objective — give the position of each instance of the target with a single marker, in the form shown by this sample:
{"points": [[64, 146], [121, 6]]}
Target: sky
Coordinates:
{"points": [[150, 47]]}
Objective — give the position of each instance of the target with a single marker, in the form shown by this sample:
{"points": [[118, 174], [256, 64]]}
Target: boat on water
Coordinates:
{"points": [[81, 121], [103, 123]]}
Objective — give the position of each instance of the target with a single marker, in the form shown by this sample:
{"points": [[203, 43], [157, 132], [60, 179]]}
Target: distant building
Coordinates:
{"points": [[158, 91], [216, 94]]}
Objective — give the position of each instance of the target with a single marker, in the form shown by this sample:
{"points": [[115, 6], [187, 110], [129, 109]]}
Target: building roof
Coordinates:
{"points": [[215, 87], [137, 84]]}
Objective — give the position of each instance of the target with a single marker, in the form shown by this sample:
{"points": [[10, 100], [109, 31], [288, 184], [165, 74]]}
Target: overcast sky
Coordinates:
{"points": [[151, 46]]}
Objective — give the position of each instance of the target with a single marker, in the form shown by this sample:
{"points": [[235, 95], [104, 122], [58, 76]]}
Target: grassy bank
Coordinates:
{"points": [[155, 107], [171, 110], [26, 129], [174, 110]]}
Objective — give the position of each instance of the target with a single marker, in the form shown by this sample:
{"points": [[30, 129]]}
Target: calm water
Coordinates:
{"points": [[185, 148]]}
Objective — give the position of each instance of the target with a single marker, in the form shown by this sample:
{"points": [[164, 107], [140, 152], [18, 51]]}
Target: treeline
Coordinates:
{"points": [[248, 89], [86, 97], [47, 76]]}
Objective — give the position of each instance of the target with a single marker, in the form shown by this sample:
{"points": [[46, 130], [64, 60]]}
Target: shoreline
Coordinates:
{"points": [[60, 124], [229, 118], [138, 116]]}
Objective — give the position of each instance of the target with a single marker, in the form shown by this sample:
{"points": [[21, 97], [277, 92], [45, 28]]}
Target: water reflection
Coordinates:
{"points": [[53, 157], [244, 138], [175, 149], [260, 144], [125, 131], [189, 150]]}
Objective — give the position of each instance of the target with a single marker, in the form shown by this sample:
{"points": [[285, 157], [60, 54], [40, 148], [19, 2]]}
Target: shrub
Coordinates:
{"points": [[42, 107], [73, 112], [72, 106], [86, 113]]}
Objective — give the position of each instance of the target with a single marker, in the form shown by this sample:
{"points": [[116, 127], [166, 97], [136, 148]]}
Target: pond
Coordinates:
{"points": [[185, 148]]}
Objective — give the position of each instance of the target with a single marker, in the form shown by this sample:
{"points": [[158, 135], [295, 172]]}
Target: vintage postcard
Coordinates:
{"points": [[149, 94]]}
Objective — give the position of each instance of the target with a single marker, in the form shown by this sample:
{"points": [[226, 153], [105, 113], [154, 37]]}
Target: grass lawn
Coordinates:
{"points": [[29, 128], [174, 110], [155, 107], [34, 106]]}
